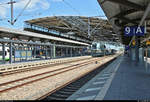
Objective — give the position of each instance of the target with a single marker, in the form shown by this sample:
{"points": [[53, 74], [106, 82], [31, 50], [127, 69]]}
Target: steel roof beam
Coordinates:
{"points": [[73, 22], [78, 24], [145, 14], [62, 21], [128, 20], [142, 21], [128, 4], [139, 19], [144, 17], [124, 13]]}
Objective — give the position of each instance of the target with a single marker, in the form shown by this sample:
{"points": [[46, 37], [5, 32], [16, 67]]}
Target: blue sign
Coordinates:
{"points": [[134, 30], [17, 54]]}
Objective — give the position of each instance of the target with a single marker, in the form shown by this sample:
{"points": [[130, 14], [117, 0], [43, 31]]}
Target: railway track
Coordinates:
{"points": [[12, 85], [69, 88], [38, 67]]}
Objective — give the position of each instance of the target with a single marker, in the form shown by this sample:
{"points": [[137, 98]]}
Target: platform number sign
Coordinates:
{"points": [[134, 30]]}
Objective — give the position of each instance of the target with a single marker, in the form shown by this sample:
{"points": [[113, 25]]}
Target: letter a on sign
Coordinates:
{"points": [[139, 30]]}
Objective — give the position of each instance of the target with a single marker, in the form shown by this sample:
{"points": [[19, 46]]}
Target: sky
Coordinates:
{"points": [[45, 8]]}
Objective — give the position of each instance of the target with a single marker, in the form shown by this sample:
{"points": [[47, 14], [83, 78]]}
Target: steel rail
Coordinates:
{"points": [[37, 67], [29, 82], [73, 80]]}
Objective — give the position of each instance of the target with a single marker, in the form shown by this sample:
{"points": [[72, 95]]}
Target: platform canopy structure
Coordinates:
{"points": [[85, 29], [121, 13], [19, 46]]}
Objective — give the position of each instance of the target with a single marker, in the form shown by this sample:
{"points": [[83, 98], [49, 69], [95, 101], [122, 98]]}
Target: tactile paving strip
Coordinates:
{"points": [[90, 90]]}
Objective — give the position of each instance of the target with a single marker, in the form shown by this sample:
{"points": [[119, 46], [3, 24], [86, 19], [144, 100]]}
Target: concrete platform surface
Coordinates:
{"points": [[123, 79]]}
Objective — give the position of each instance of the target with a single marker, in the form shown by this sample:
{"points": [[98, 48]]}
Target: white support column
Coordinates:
{"points": [[46, 48], [141, 54], [3, 50], [10, 52], [53, 51], [35, 51], [133, 54], [66, 52], [71, 51]]}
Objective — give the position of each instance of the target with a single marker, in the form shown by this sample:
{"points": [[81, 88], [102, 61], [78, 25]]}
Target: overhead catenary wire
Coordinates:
{"points": [[20, 14], [3, 5], [71, 7], [33, 14], [6, 3], [17, 1], [2, 19], [22, 11]]}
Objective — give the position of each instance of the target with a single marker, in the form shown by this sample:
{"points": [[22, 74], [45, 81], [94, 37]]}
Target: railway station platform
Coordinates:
{"points": [[123, 79]]}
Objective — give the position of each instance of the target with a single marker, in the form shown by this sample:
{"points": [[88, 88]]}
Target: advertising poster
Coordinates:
{"points": [[23, 54], [17, 54]]}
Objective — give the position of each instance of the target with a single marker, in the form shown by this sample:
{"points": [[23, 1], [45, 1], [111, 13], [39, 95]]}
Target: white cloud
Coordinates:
{"points": [[33, 6], [3, 8], [3, 12]]}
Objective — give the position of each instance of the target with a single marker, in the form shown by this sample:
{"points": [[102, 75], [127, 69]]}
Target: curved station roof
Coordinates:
{"points": [[121, 13], [26, 35], [89, 28]]}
